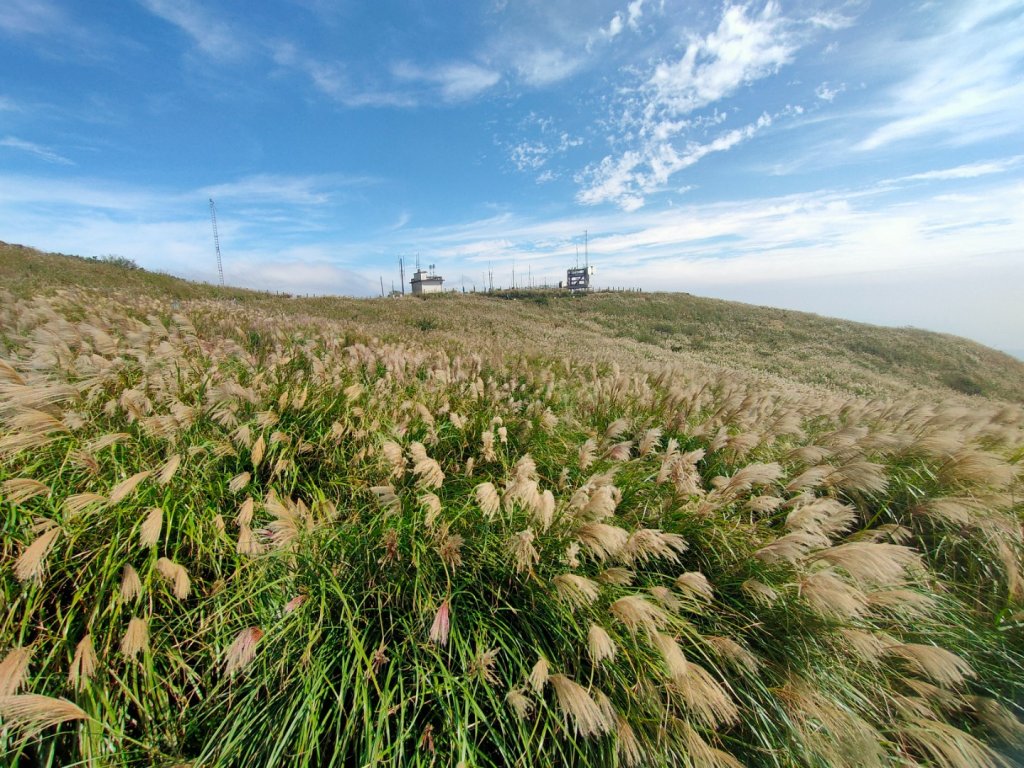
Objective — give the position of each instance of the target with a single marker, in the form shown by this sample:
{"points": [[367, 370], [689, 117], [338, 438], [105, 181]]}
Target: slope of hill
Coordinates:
{"points": [[241, 529], [836, 354]]}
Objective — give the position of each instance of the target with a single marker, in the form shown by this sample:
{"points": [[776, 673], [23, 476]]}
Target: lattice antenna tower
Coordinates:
{"points": [[216, 241]]}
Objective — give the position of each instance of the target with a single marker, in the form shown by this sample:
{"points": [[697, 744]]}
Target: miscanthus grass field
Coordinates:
{"points": [[251, 531]]}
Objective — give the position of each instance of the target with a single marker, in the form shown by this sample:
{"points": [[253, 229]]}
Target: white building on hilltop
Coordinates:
{"points": [[426, 282]]}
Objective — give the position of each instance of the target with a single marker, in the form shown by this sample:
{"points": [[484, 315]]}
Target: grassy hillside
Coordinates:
{"points": [[241, 529], [820, 351]]}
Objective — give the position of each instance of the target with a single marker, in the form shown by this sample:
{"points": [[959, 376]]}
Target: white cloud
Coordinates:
{"points": [[626, 180], [655, 117], [743, 49], [966, 83], [614, 26], [211, 35], [331, 78], [30, 17], [966, 171], [44, 153], [539, 67], [826, 92], [459, 81], [635, 10]]}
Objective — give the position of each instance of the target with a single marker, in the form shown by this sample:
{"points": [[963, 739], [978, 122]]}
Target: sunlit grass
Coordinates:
{"points": [[244, 535]]}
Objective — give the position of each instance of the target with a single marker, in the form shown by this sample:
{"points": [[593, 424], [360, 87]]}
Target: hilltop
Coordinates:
{"points": [[833, 354]]}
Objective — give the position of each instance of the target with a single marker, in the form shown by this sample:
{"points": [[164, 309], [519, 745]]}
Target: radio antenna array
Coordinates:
{"points": [[216, 241]]}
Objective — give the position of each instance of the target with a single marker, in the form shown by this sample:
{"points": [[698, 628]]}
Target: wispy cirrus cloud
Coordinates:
{"points": [[543, 66], [37, 150], [214, 36], [456, 81], [965, 171], [30, 17], [966, 83]]}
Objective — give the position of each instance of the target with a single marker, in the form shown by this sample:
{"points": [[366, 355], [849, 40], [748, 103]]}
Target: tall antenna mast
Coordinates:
{"points": [[586, 250], [216, 241], [401, 269]]}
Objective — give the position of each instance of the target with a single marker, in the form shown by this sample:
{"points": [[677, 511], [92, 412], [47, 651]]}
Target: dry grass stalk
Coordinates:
{"points": [[860, 476], [600, 645], [792, 547], [940, 666], [601, 504], [704, 696], [14, 670], [519, 703], [649, 442], [245, 511], [539, 675], [998, 719], [945, 746], [703, 755], [258, 449], [239, 481], [149, 533], [131, 585], [248, 544], [676, 664], [616, 576], [587, 453], [873, 563], [395, 457], [291, 519], [126, 487], [619, 451], [636, 612], [646, 544], [869, 647], [832, 597], [523, 551], [545, 510], [242, 651], [577, 706], [429, 474], [741, 658], [31, 563], [169, 469], [696, 584], [18, 490], [763, 505], [904, 602], [487, 452], [30, 713], [176, 574], [602, 540], [136, 638], [449, 548], [667, 598], [759, 591], [78, 503], [83, 664], [627, 745], [432, 504], [576, 591], [482, 666], [441, 626], [751, 475], [824, 516], [487, 499]]}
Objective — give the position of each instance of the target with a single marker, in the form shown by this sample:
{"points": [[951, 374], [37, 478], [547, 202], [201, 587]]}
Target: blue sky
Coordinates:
{"points": [[852, 158]]}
